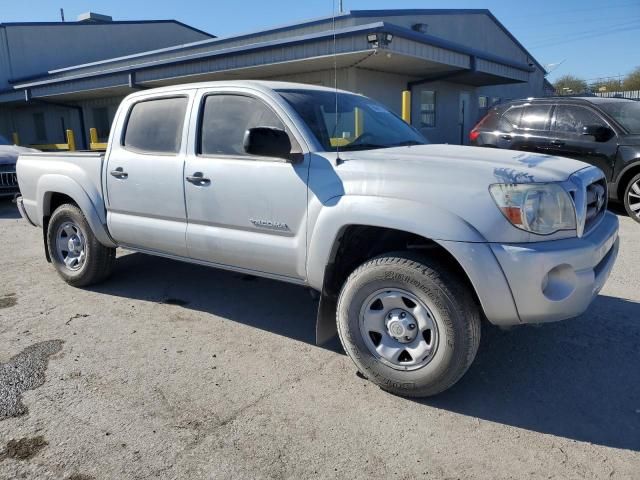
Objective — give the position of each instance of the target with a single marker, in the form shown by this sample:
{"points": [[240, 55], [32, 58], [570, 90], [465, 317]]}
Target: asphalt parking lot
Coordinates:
{"points": [[170, 370]]}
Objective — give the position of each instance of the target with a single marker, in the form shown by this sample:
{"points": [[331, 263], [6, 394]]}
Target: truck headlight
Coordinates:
{"points": [[542, 208]]}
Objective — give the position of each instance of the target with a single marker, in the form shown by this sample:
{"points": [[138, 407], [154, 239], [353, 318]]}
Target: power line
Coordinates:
{"points": [[585, 37]]}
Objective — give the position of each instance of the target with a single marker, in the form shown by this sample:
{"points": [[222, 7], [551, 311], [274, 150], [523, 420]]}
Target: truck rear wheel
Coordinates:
{"points": [[80, 259], [409, 324]]}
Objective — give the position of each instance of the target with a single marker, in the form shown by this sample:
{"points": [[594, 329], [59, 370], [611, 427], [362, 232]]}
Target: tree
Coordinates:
{"points": [[569, 84], [632, 81], [609, 85]]}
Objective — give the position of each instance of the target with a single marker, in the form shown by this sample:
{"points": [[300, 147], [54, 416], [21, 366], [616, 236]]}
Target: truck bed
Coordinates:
{"points": [[39, 171]]}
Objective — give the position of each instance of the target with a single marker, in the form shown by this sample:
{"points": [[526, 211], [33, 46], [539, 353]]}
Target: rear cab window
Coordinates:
{"points": [[156, 125]]}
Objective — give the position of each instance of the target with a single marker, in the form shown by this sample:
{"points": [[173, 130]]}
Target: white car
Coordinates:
{"points": [[8, 159]]}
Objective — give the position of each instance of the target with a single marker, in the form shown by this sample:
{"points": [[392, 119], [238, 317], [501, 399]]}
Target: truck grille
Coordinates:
{"points": [[8, 181], [590, 196], [596, 199]]}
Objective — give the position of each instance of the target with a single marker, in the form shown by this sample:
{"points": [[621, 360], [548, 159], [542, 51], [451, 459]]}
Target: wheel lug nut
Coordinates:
{"points": [[412, 326], [403, 315]]}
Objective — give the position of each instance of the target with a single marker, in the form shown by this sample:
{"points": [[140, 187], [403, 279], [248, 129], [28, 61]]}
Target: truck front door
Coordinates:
{"points": [[144, 175], [244, 211]]}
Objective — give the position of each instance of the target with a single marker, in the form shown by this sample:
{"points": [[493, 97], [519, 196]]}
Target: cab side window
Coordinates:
{"points": [[226, 118], [571, 119], [155, 126]]}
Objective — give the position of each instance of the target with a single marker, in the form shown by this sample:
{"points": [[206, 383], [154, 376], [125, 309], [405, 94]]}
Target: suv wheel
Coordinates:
{"points": [[409, 324], [80, 259], [632, 198]]}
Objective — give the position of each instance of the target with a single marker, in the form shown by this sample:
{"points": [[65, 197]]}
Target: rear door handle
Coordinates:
{"points": [[119, 173], [557, 143], [198, 179]]}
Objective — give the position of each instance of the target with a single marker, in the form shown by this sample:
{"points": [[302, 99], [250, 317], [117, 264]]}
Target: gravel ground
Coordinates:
{"points": [[171, 370]]}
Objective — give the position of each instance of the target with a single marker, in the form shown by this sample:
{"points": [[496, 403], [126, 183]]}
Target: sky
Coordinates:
{"points": [[591, 38]]}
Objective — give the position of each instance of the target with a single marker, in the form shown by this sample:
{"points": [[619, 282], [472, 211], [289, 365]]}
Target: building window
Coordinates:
{"points": [[427, 108], [483, 101], [40, 127], [101, 123]]}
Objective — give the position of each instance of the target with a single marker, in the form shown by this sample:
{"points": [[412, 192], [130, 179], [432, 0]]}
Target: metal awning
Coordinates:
{"points": [[403, 51]]}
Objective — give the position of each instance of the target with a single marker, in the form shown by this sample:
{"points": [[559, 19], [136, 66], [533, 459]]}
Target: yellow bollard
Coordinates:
{"points": [[93, 135], [406, 106], [71, 140], [16, 138], [359, 122]]}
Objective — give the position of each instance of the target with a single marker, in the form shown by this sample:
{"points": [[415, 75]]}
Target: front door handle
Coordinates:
{"points": [[119, 173], [506, 137], [557, 143], [198, 179]]}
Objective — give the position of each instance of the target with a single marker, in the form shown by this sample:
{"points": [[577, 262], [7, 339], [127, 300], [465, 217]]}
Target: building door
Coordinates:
{"points": [[464, 117]]}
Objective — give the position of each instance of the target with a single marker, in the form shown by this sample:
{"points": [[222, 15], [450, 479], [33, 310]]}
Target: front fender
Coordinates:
{"points": [[339, 213], [55, 183]]}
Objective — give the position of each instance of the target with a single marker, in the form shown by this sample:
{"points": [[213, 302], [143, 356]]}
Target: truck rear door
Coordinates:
{"points": [[144, 174]]}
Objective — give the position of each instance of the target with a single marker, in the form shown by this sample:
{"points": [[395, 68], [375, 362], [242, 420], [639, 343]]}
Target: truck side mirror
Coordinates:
{"points": [[600, 132], [267, 142]]}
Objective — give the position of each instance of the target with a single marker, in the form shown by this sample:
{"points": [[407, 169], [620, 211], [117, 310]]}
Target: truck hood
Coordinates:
{"points": [[473, 165], [450, 182], [9, 153]]}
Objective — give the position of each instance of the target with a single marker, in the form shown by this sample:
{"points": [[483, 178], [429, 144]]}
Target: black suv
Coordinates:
{"points": [[604, 132]]}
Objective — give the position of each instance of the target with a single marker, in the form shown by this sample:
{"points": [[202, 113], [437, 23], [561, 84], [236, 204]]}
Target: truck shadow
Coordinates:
{"points": [[277, 307], [8, 209], [578, 379]]}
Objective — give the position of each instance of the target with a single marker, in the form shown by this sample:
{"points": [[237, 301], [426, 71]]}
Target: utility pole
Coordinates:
{"points": [[62, 14]]}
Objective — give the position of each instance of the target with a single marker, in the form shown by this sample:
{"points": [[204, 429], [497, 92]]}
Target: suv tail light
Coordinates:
{"points": [[473, 135]]}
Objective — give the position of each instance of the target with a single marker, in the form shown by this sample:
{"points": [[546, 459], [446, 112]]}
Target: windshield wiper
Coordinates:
{"points": [[361, 146], [407, 143]]}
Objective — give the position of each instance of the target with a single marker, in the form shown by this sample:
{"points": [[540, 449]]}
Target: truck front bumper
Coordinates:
{"points": [[559, 279], [541, 281]]}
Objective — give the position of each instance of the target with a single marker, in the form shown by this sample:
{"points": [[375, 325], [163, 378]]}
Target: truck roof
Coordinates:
{"points": [[264, 85]]}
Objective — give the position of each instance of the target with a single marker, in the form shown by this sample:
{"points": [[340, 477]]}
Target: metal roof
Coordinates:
{"points": [[93, 24]]}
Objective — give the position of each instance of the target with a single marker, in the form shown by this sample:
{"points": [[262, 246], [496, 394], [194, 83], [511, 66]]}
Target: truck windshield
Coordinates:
{"points": [[358, 123], [4, 141], [626, 114]]}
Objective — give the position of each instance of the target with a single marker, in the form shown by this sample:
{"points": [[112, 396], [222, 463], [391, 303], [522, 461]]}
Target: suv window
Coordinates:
{"points": [[155, 126], [536, 117], [571, 119], [226, 118]]}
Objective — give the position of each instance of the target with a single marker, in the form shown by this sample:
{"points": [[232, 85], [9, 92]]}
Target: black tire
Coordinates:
{"points": [[455, 313], [632, 196], [98, 261]]}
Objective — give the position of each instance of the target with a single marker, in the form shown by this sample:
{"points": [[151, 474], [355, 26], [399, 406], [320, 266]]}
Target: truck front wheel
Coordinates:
{"points": [[80, 259], [409, 324]]}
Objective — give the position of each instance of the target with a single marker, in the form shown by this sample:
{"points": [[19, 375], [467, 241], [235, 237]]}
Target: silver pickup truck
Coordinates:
{"points": [[409, 245]]}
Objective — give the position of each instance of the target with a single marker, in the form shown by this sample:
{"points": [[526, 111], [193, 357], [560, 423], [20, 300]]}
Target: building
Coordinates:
{"points": [[35, 50], [455, 63]]}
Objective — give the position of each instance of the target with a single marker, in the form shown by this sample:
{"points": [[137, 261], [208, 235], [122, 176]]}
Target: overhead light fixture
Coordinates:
{"points": [[377, 40]]}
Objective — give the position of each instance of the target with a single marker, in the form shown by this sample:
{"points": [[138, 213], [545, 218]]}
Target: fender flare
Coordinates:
{"points": [[54, 183], [339, 213]]}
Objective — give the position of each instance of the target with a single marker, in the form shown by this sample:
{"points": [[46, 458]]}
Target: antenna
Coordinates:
{"points": [[62, 14], [340, 7], [335, 77]]}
